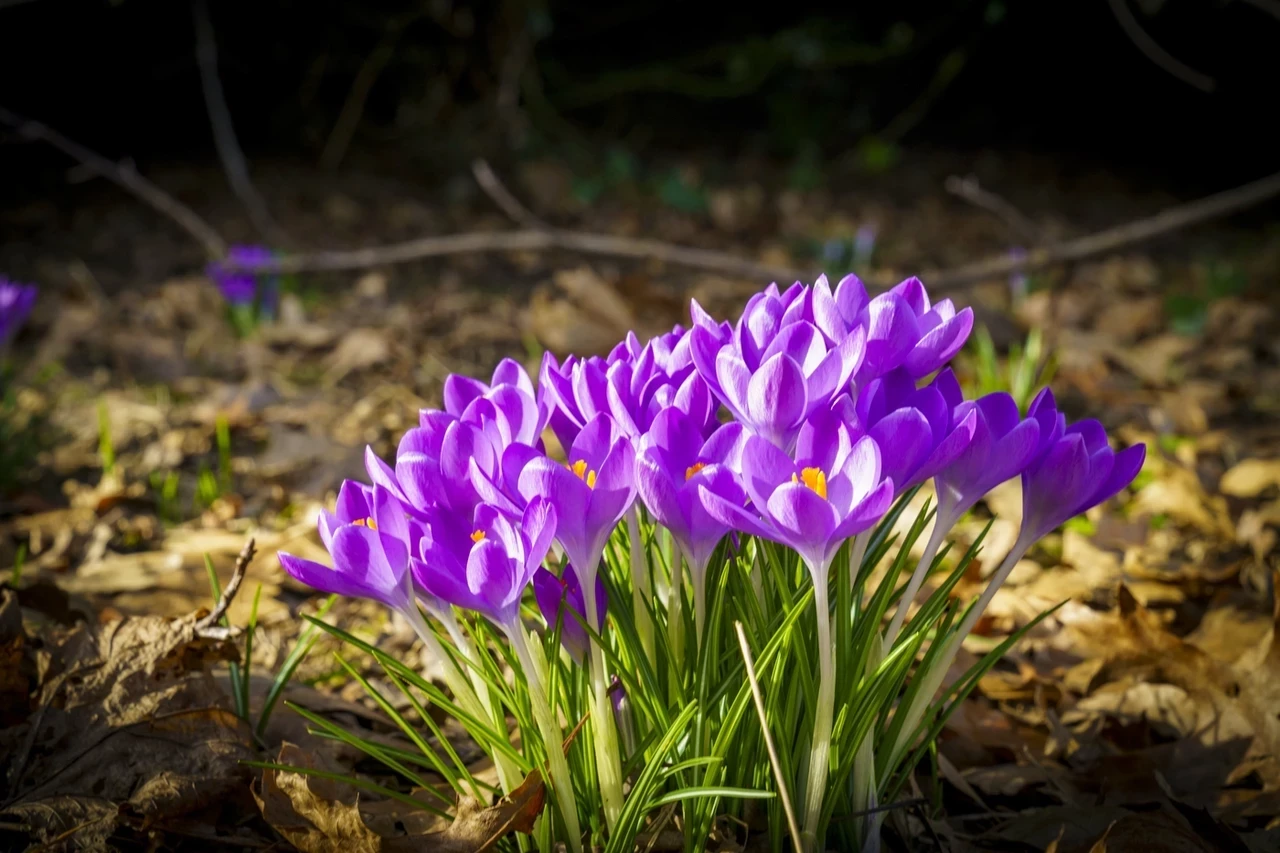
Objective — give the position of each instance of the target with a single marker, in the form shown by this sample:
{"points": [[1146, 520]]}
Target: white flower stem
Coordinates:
{"points": [[549, 729], [864, 766], [640, 584], [820, 751], [603, 731], [941, 527], [857, 550], [699, 578], [675, 622], [509, 776], [942, 663]]}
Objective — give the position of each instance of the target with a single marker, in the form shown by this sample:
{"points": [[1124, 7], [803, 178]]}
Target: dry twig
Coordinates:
{"points": [[971, 191], [1157, 54], [125, 176], [224, 133], [502, 197], [208, 626]]}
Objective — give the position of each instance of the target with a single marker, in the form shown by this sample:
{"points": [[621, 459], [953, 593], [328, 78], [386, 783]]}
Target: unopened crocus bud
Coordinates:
{"points": [[622, 716]]}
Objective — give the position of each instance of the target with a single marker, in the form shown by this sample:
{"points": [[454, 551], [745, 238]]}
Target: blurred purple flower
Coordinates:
{"points": [[553, 593], [16, 302], [240, 288]]}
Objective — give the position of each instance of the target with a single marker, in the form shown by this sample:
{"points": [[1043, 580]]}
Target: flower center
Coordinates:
{"points": [[366, 522], [478, 536], [580, 468], [814, 479], [693, 469]]}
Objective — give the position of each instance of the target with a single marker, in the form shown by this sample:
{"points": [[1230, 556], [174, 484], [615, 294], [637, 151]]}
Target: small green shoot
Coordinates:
{"points": [[19, 560], [222, 433], [106, 449]]}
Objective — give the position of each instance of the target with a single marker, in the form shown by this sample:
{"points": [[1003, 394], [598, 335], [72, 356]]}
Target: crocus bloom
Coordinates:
{"points": [[590, 493], [778, 368], [1003, 443], [1074, 470], [832, 491], [16, 301], [674, 462], [524, 414], [905, 330], [554, 593], [241, 287], [919, 421], [486, 568], [370, 553], [578, 390]]}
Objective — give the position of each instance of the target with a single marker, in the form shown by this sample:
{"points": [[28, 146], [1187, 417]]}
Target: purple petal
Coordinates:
{"points": [[459, 391], [776, 397], [936, 347]]}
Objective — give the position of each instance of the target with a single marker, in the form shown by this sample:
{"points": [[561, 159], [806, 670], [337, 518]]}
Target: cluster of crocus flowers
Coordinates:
{"points": [[838, 403], [16, 302]]}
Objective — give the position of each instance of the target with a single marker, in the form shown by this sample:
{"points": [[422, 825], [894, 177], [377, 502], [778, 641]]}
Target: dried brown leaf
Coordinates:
{"points": [[1250, 478]]}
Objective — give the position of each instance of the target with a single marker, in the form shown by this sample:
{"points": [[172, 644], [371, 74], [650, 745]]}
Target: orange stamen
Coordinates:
{"points": [[814, 479], [693, 469], [478, 536], [580, 468]]}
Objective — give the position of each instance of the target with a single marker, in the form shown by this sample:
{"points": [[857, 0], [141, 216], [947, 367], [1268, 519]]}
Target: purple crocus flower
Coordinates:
{"points": [[240, 288], [833, 490], [919, 420], [487, 567], [553, 593], [524, 413], [368, 539], [673, 463], [16, 302], [905, 330], [778, 368], [1002, 445], [578, 390], [590, 493], [1074, 469]]}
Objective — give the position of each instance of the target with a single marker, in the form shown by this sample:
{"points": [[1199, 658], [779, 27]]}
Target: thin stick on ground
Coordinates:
{"points": [[529, 239], [208, 626], [125, 176], [971, 191], [792, 826], [1090, 245], [504, 198], [224, 133]]}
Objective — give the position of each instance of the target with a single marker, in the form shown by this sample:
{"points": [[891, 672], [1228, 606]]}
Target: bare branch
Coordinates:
{"points": [[335, 148], [502, 197], [1101, 242], [1157, 54], [971, 191], [224, 133], [125, 176], [208, 626], [1111, 239]]}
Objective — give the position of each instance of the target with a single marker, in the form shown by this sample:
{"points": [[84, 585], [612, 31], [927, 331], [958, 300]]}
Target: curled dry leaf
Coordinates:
{"points": [[1250, 478], [323, 816], [128, 730]]}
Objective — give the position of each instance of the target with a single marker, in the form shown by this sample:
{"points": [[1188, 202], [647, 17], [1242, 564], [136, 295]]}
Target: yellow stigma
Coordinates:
{"points": [[366, 522], [477, 536], [814, 479], [580, 468], [693, 469]]}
